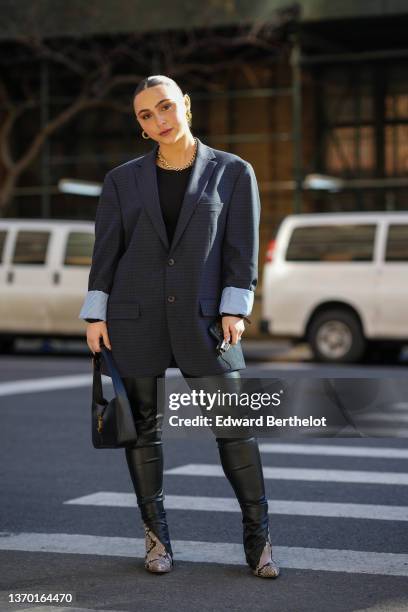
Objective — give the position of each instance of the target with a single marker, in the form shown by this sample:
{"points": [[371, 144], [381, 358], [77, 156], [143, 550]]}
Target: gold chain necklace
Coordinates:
{"points": [[169, 167]]}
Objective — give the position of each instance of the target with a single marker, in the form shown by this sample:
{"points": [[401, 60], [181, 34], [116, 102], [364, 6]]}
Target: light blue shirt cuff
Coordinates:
{"points": [[237, 301], [94, 306]]}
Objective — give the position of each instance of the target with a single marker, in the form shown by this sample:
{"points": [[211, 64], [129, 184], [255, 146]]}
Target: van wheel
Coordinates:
{"points": [[335, 336]]}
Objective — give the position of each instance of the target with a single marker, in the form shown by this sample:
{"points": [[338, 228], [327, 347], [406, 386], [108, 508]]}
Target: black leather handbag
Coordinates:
{"points": [[112, 421]]}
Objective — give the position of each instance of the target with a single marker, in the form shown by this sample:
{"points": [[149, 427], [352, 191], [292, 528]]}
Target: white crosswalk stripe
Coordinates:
{"points": [[276, 506], [335, 560], [282, 473], [376, 417], [334, 450]]}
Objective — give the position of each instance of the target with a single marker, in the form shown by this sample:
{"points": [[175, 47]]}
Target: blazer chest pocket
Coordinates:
{"points": [[123, 310]]}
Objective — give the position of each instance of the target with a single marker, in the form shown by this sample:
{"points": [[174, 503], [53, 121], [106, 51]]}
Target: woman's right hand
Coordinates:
{"points": [[94, 331]]}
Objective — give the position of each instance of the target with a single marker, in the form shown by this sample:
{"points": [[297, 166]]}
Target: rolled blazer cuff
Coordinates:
{"points": [[94, 306], [236, 301]]}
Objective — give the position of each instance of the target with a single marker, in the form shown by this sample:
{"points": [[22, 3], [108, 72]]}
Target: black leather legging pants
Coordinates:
{"points": [[240, 460]]}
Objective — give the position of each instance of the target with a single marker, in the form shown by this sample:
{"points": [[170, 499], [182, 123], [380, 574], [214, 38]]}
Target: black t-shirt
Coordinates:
{"points": [[172, 185]]}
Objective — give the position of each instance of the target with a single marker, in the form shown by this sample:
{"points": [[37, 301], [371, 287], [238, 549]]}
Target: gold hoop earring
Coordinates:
{"points": [[189, 116], [143, 135]]}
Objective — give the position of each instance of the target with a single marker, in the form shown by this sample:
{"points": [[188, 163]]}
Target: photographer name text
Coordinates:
{"points": [[260, 421]]}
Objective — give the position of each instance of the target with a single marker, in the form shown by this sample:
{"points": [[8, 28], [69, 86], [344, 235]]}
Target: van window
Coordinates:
{"points": [[79, 249], [31, 247], [397, 243], [3, 235], [332, 243]]}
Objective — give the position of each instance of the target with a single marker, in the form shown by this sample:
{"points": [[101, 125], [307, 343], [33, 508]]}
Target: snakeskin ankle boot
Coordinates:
{"points": [[241, 462], [157, 559], [267, 567]]}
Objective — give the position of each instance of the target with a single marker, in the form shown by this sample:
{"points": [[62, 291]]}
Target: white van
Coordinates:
{"points": [[338, 281], [44, 269]]}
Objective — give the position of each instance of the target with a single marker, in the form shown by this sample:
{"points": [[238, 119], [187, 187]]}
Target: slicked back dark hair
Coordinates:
{"points": [[157, 79]]}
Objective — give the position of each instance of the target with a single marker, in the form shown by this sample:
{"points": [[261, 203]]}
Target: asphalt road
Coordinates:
{"points": [[69, 521]]}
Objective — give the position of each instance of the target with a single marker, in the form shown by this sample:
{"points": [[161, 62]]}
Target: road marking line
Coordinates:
{"points": [[284, 473], [34, 385], [320, 559], [229, 504], [386, 417], [335, 450]]}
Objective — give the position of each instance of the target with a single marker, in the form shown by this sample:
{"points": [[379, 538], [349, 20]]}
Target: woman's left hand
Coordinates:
{"points": [[233, 328]]}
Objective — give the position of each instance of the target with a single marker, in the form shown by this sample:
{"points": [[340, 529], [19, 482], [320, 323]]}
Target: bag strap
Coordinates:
{"points": [[116, 379], [118, 386], [97, 390]]}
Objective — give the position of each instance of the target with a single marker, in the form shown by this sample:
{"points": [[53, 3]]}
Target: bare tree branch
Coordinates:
{"points": [[100, 71]]}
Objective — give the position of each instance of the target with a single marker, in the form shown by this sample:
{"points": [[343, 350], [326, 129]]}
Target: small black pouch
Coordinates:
{"points": [[216, 331]]}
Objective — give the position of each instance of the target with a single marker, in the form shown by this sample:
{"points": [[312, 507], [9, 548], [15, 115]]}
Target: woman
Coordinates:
{"points": [[176, 245]]}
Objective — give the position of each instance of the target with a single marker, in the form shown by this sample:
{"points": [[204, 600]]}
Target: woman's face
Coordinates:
{"points": [[161, 108]]}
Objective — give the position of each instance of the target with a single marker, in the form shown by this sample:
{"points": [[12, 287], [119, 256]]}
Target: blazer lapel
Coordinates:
{"points": [[147, 183], [201, 172]]}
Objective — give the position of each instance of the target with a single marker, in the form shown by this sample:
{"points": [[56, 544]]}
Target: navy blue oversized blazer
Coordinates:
{"points": [[159, 298]]}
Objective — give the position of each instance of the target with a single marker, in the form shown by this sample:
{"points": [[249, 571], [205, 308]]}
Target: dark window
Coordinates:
{"points": [[332, 243], [31, 247], [361, 130], [397, 243], [3, 235], [79, 249]]}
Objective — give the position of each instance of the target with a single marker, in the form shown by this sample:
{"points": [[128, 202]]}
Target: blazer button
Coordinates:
{"points": [[171, 262], [171, 298]]}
